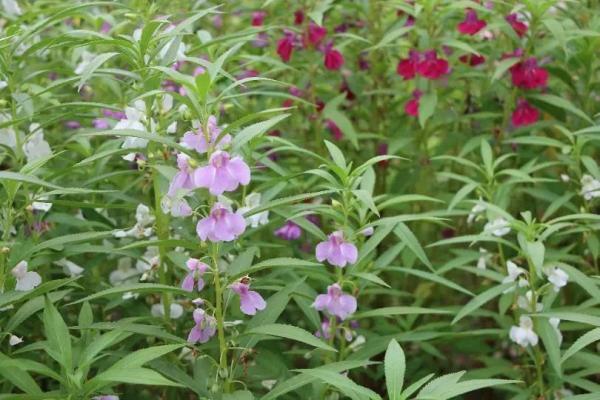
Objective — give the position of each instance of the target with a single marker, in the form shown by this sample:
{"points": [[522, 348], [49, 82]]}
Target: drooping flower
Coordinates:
{"points": [[205, 327], [524, 114], [298, 17], [149, 260], [482, 260], [316, 34], [36, 146], [250, 301], [335, 130], [590, 187], [407, 67], [526, 303], [285, 46], [221, 224], [557, 277], [432, 67], [336, 250], [183, 179], [472, 59], [198, 140], [333, 59], [412, 106], [14, 340], [123, 274], [251, 202], [176, 205], [222, 174], [513, 273], [518, 26], [336, 302], [135, 118], [175, 310], [497, 227], [143, 218], [527, 74], [258, 18], [523, 334], [26, 280], [69, 267], [194, 278], [289, 231], [471, 24]]}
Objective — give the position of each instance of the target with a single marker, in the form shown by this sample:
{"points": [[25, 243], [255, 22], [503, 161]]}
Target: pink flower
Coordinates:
{"points": [[198, 140], [204, 329], [528, 75], [105, 27], [289, 231], [250, 301], [194, 277], [316, 34], [524, 114], [336, 250], [285, 46], [101, 123], [471, 24], [407, 67], [335, 130], [221, 224], [432, 67], [412, 106], [222, 174], [333, 59], [335, 302], [183, 178], [519, 27], [258, 18]]}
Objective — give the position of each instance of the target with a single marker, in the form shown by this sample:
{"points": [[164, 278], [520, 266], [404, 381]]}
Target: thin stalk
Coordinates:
{"points": [[219, 315]]}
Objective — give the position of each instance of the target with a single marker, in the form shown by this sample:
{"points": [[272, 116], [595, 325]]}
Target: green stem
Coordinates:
{"points": [[219, 315]]}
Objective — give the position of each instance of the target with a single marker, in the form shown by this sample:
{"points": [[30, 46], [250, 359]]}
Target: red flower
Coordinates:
{"points": [[316, 34], [519, 27], [336, 132], [407, 67], [471, 24], [412, 106], [472, 59], [258, 18], [298, 17], [524, 114], [432, 67], [528, 75], [344, 88], [285, 46], [333, 59]]}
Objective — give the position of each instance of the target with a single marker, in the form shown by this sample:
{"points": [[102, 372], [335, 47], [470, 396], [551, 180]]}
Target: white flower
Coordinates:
{"points": [[565, 178], [367, 231], [268, 383], [498, 227], [590, 187], [123, 274], [514, 272], [41, 205], [554, 322], [523, 334], [3, 84], [158, 310], [11, 8], [149, 260], [477, 209], [557, 277], [177, 206], [69, 267], [251, 202], [36, 147], [14, 340], [8, 136], [26, 280], [135, 118], [483, 256], [86, 58], [143, 219], [525, 302], [180, 56], [172, 128]]}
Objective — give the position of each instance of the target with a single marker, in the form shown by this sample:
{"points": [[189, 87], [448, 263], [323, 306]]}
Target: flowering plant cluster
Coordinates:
{"points": [[299, 200]]}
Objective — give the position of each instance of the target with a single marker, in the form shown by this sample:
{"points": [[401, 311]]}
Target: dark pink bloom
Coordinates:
{"points": [[298, 17], [198, 140], [72, 125], [285, 46], [363, 63], [528, 75], [524, 114], [472, 59], [222, 174], [316, 34], [336, 250], [407, 67], [194, 277], [205, 328], [333, 59], [289, 231], [106, 27], [250, 301], [412, 106], [335, 130], [519, 27], [432, 67], [221, 224], [258, 18], [183, 179], [471, 24], [100, 123], [410, 21], [261, 40], [336, 302]]}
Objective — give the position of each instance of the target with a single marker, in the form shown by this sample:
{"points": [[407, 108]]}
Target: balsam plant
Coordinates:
{"points": [[299, 200]]}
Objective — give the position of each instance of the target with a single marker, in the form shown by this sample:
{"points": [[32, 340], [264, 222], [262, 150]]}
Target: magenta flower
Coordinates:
{"points": [[250, 301], [316, 34], [198, 140], [407, 67], [194, 277], [471, 24], [289, 231], [432, 67], [528, 75], [221, 224], [222, 174], [335, 130], [335, 302], [412, 106], [183, 178], [285, 46], [204, 329], [336, 250], [518, 26], [524, 114], [333, 59], [258, 18]]}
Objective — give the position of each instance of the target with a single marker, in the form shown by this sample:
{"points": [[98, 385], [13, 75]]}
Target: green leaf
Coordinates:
{"points": [[427, 105], [342, 383], [562, 102], [293, 333], [411, 241], [551, 343], [57, 333], [398, 310], [255, 130], [336, 154], [16, 373], [17, 177], [480, 300], [503, 66], [136, 288], [140, 357], [581, 342], [395, 365], [92, 66], [137, 376]]}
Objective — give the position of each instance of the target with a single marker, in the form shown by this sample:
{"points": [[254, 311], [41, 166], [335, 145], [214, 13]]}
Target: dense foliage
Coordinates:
{"points": [[312, 199]]}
